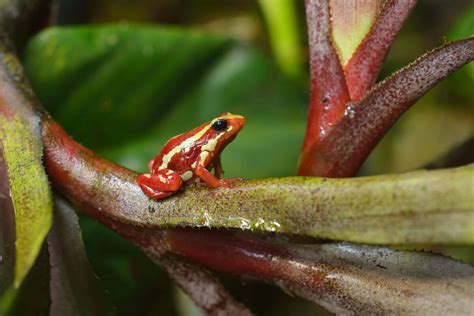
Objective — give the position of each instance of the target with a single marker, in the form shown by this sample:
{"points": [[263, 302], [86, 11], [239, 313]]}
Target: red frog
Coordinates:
{"points": [[189, 157]]}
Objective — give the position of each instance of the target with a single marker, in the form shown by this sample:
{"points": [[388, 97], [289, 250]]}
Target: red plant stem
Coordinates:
{"points": [[349, 143], [329, 93], [362, 69]]}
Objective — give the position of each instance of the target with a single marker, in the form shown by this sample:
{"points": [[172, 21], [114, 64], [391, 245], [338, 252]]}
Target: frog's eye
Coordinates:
{"points": [[219, 125]]}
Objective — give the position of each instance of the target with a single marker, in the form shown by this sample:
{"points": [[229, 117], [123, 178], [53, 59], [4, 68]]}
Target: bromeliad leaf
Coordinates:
{"points": [[351, 21], [74, 287], [160, 100], [22, 151], [121, 75]]}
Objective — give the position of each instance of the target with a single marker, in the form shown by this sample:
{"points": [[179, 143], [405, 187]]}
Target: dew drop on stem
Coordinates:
{"points": [[349, 112]]}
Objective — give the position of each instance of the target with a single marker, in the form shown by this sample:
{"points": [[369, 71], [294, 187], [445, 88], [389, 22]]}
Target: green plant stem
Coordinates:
{"points": [[423, 207]]}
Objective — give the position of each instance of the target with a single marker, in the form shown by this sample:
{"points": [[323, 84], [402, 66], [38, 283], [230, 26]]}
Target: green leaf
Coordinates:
{"points": [[121, 76], [282, 23], [187, 79], [74, 287], [21, 143]]}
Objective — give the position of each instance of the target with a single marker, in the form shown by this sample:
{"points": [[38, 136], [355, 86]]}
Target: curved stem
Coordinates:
{"points": [[395, 209]]}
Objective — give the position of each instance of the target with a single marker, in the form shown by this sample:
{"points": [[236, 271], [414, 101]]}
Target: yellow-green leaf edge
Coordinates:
{"points": [[29, 186]]}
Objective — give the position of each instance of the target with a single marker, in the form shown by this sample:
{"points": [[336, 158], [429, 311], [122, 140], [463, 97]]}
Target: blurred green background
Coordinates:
{"points": [[148, 70]]}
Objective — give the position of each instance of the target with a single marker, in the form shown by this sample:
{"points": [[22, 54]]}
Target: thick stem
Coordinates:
{"points": [[396, 209]]}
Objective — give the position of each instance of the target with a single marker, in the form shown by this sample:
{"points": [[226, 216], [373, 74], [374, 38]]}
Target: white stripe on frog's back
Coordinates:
{"points": [[185, 143]]}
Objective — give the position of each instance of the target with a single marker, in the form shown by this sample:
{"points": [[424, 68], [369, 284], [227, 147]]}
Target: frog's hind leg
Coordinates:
{"points": [[155, 195], [160, 184]]}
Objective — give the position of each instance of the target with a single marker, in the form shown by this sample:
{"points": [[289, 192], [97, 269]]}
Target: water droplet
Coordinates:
{"points": [[207, 220], [244, 223], [274, 226], [349, 112], [327, 107], [260, 223], [322, 131]]}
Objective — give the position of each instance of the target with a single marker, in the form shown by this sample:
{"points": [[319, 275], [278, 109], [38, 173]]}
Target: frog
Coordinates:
{"points": [[188, 158]]}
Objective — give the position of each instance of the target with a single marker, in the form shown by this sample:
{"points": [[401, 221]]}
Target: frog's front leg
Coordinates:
{"points": [[160, 184], [208, 178], [218, 172]]}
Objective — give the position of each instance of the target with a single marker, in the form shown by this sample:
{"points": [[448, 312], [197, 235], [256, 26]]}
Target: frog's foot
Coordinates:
{"points": [[228, 183], [160, 184], [213, 181]]}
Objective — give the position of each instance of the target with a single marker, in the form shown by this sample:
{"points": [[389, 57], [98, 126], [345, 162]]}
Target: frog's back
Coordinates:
{"points": [[182, 150]]}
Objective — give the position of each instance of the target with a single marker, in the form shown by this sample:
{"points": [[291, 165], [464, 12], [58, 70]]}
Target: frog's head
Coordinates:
{"points": [[224, 128]]}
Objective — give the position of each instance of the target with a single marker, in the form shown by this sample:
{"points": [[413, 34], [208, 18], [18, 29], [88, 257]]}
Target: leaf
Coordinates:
{"points": [[102, 89], [22, 152], [350, 23], [230, 78], [33, 296], [363, 67], [282, 24], [132, 281], [343, 278], [329, 93], [74, 287], [367, 121], [420, 137]]}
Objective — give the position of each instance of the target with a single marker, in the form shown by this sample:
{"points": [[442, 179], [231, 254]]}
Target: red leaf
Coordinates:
{"points": [[343, 151], [329, 93], [362, 69]]}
